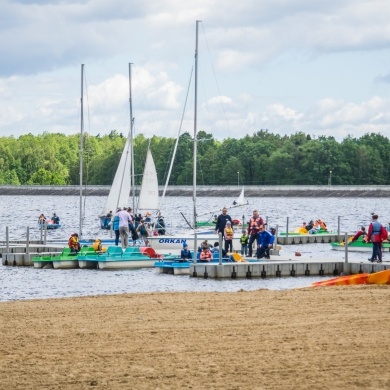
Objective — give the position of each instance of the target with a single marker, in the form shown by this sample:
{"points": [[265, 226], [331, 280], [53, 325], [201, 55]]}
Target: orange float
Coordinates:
{"points": [[382, 277]]}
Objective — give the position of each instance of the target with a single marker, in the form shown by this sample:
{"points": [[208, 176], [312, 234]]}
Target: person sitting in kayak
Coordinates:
{"points": [[322, 225], [185, 253], [74, 244], [361, 232], [206, 254], [55, 218], [42, 219]]}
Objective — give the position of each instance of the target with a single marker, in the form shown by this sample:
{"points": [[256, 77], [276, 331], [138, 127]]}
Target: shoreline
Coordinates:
{"points": [[307, 338], [215, 191]]}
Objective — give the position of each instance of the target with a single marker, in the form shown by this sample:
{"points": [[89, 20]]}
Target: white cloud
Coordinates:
{"points": [[257, 49]]}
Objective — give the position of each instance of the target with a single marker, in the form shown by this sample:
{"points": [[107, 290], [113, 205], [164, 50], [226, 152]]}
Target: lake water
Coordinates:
{"points": [[18, 212]]}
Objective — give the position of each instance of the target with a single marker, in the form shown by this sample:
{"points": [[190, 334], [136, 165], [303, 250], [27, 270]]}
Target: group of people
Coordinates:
{"points": [[314, 227], [123, 222], [54, 219], [256, 233]]}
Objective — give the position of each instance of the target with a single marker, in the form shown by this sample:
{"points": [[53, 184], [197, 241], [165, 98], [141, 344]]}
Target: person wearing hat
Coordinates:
{"points": [[185, 253], [244, 243], [73, 243], [228, 234], [375, 236]]}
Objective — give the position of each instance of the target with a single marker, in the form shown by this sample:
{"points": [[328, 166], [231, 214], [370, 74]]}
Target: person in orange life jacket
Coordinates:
{"points": [[221, 221], [374, 235], [265, 240], [206, 254], [361, 232], [228, 234], [253, 229], [73, 243]]}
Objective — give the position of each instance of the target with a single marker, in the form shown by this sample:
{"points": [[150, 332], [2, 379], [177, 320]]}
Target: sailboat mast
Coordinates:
{"points": [[81, 149], [131, 139], [195, 121]]}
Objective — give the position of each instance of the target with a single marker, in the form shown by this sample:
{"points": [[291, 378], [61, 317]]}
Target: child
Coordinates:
{"points": [[206, 254], [228, 235], [185, 254], [244, 243]]}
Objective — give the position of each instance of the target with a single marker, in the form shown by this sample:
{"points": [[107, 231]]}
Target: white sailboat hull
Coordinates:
{"points": [[175, 243]]}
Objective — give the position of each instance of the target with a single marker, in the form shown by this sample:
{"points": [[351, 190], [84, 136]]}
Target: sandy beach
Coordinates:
{"points": [[312, 338]]}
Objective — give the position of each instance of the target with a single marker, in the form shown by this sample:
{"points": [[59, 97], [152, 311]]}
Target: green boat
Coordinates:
{"points": [[65, 260], [302, 231], [359, 246]]}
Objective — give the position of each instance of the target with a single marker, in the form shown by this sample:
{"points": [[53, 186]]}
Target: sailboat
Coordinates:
{"points": [[175, 242], [120, 188], [124, 179], [239, 202], [148, 194]]}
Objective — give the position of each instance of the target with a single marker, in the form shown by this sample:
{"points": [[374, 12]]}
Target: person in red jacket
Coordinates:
{"points": [[253, 230], [374, 235]]}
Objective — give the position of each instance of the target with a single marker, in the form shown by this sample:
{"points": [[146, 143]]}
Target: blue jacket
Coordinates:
{"points": [[265, 238], [185, 254], [115, 223]]}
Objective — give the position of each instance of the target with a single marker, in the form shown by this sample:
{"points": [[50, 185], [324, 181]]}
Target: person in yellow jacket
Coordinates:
{"points": [[228, 234]]}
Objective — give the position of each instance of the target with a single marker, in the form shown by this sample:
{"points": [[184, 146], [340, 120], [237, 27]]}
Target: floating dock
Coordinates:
{"points": [[283, 268]]}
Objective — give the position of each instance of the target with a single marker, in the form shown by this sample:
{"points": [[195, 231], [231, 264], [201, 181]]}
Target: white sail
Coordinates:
{"points": [[241, 200], [120, 189], [148, 195]]}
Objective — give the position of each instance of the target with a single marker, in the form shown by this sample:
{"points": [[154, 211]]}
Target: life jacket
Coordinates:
{"points": [[376, 231], [229, 233], [73, 242], [244, 240], [206, 255], [254, 225], [97, 245]]}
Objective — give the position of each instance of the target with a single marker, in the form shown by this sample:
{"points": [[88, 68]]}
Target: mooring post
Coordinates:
{"points": [[266, 222], [220, 247], [28, 240], [45, 234], [346, 264], [338, 225], [288, 218], [276, 237], [195, 246], [7, 238]]}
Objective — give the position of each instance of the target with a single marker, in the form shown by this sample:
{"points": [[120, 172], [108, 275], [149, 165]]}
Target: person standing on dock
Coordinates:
{"points": [[375, 236], [253, 230], [124, 222], [228, 234], [221, 221], [115, 226]]}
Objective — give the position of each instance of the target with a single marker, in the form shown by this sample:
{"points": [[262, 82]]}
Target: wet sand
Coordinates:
{"points": [[319, 338]]}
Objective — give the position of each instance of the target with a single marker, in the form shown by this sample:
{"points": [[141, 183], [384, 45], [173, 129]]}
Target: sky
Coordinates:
{"points": [[287, 66]]}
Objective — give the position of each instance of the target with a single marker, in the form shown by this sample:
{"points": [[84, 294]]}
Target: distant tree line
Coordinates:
{"points": [[259, 159]]}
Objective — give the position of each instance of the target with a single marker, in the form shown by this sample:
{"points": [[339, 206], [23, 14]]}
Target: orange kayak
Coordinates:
{"points": [[382, 277]]}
